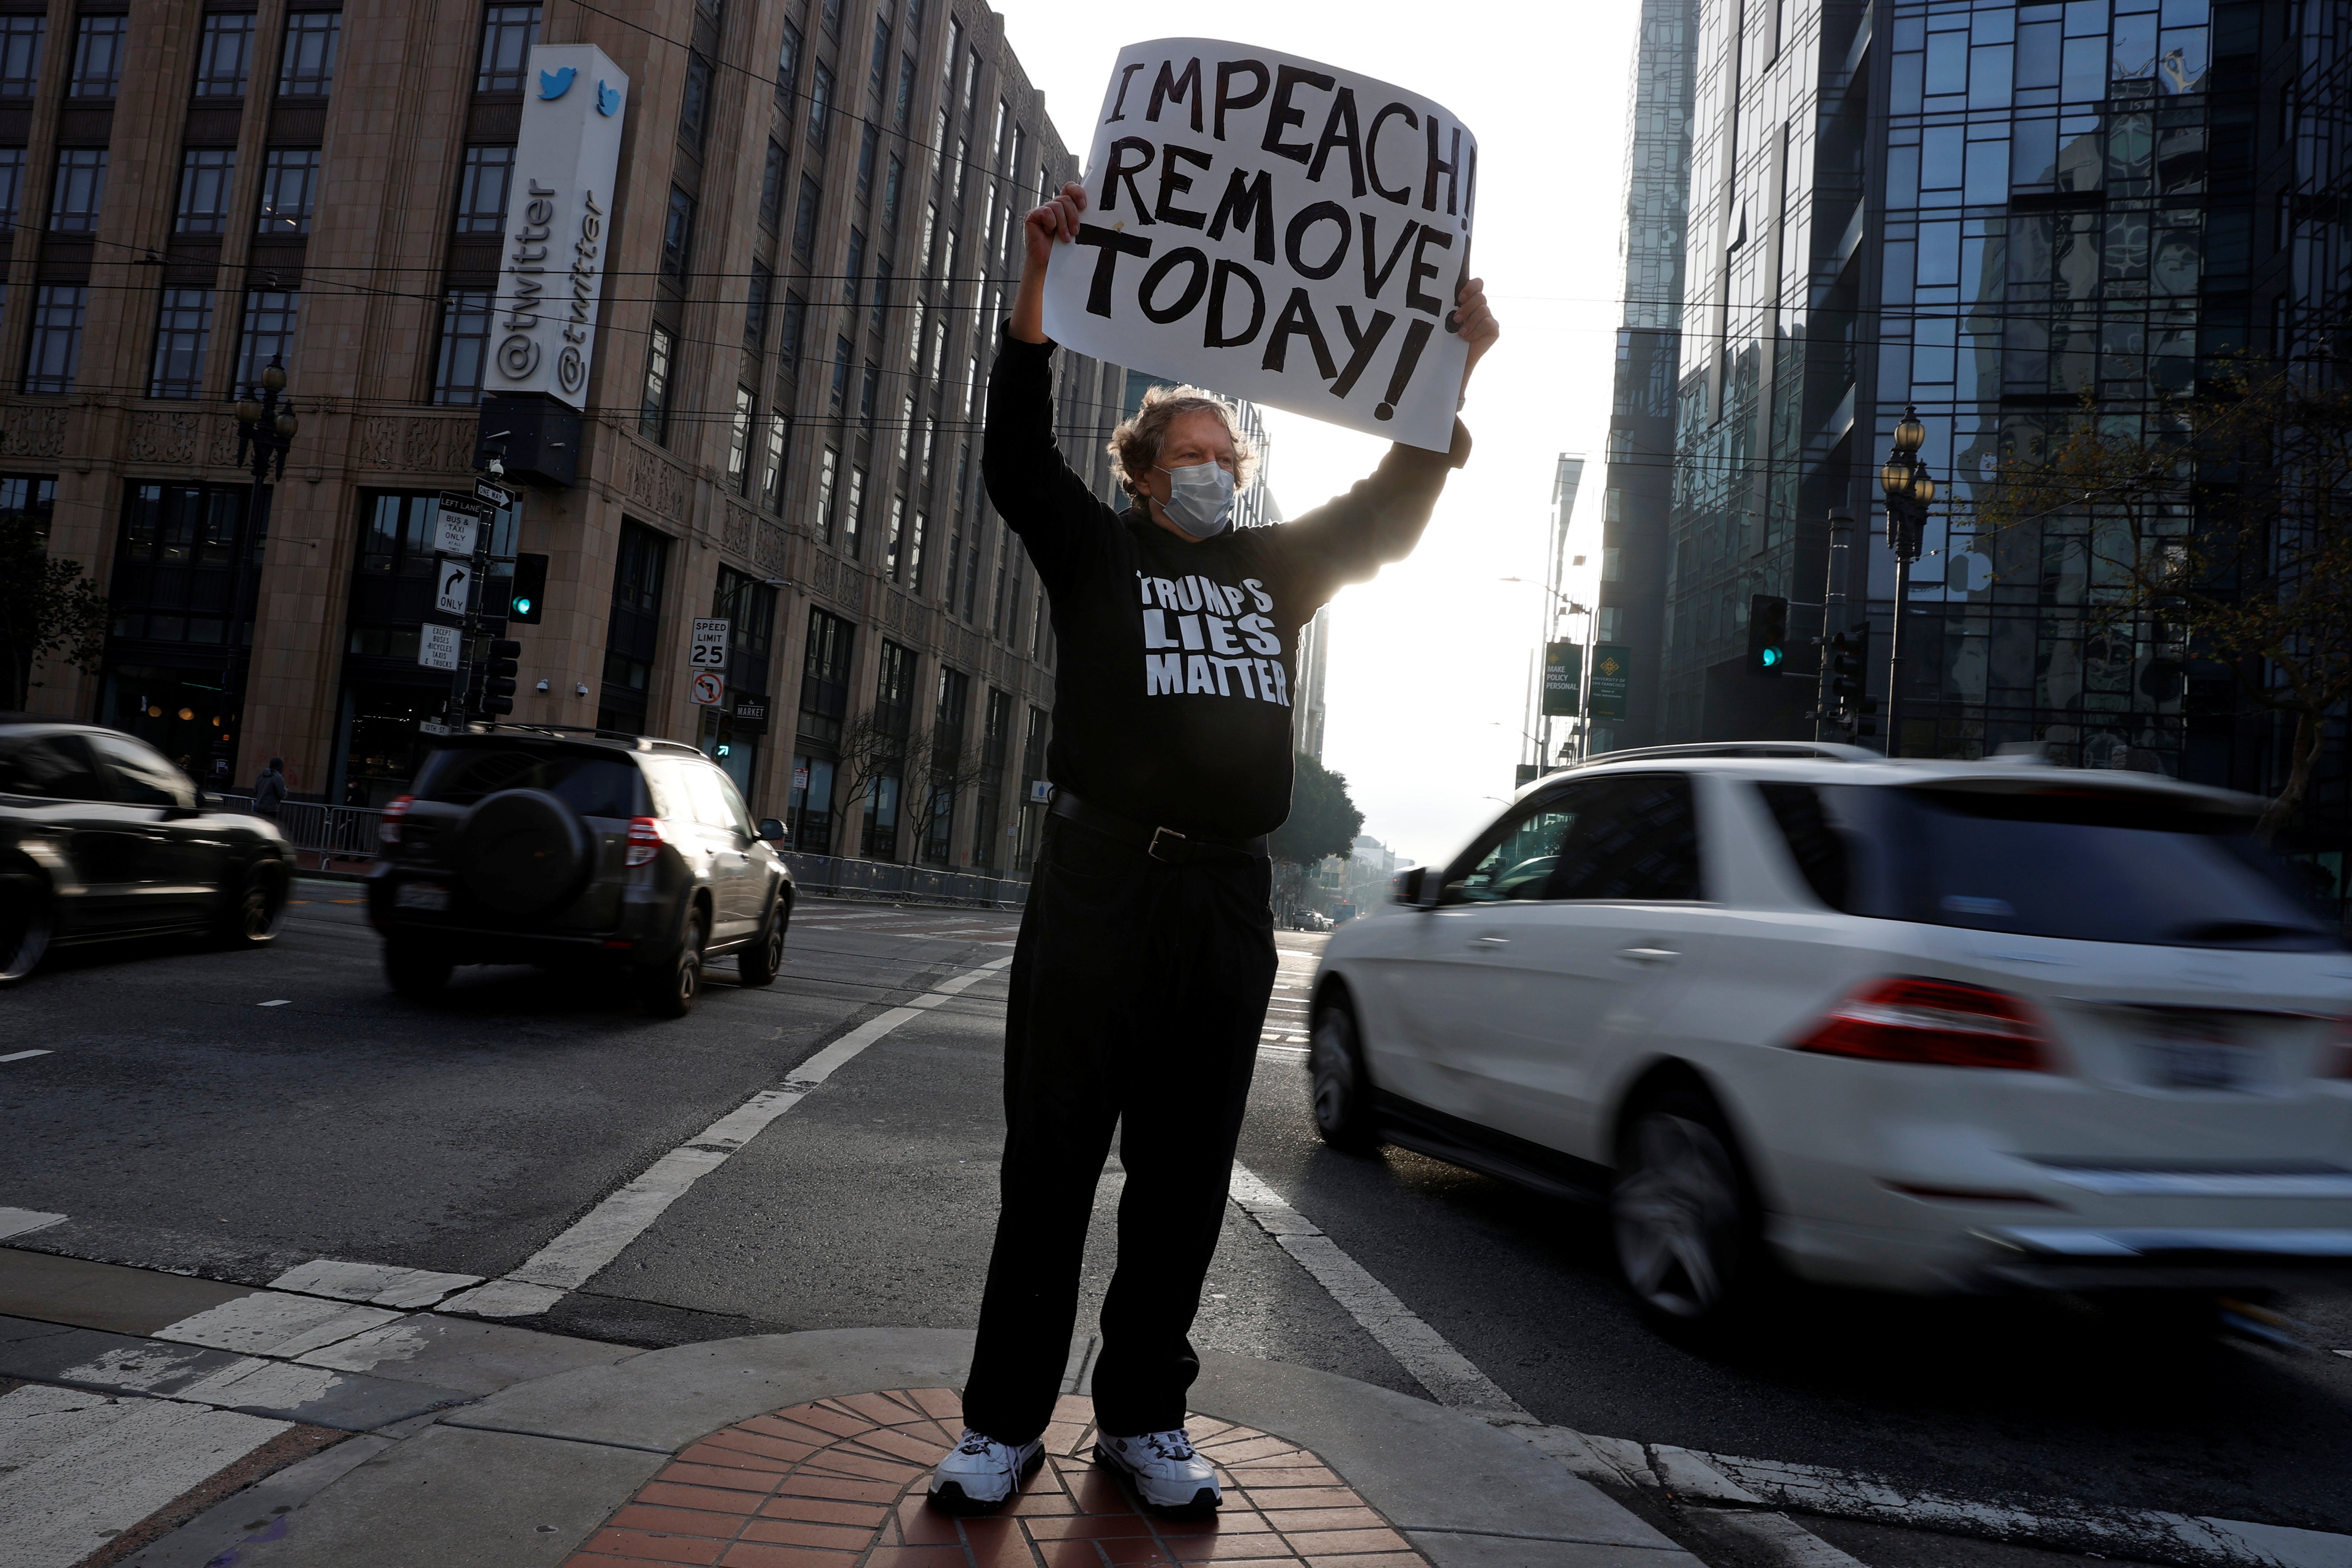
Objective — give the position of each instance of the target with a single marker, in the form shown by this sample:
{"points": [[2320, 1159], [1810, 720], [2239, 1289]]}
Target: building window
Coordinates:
{"points": [[271, 317], [824, 705], [175, 561], [307, 69], [772, 188], [464, 345], [891, 183], [97, 55], [79, 192], [788, 66], [508, 33], [184, 330], [755, 307], [868, 145], [894, 554], [290, 191], [482, 188], [653, 414], [855, 268], [905, 102], [225, 54], [879, 318], [866, 394], [694, 104], [12, 184], [20, 54], [739, 441], [206, 174], [805, 218], [677, 237], [795, 322], [828, 470], [894, 717], [771, 484], [55, 350], [948, 724], [820, 104], [878, 74], [633, 639], [852, 532], [841, 352]]}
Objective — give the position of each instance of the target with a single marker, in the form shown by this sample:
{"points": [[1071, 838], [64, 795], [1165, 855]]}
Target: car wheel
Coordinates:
{"points": [[259, 909], [670, 992], [415, 971], [1688, 1232], [1341, 1089], [27, 922], [757, 965]]}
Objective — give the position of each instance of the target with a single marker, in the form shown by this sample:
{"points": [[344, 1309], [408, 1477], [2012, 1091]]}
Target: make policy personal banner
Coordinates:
{"points": [[1277, 229]]}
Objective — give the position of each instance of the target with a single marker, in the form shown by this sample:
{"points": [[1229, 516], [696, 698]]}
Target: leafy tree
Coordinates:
{"points": [[2219, 530], [46, 607], [1323, 820]]}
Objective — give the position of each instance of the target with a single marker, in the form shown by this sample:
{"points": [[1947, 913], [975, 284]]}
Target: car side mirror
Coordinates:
{"points": [[1408, 884], [772, 830]]}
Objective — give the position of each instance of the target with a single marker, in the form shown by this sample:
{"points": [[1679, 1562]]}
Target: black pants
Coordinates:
{"points": [[1139, 992]]}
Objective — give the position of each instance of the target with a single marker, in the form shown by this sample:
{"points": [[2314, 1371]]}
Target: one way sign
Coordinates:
{"points": [[455, 576]]}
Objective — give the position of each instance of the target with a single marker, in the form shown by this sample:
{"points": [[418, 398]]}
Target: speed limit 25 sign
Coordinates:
{"points": [[710, 649]]}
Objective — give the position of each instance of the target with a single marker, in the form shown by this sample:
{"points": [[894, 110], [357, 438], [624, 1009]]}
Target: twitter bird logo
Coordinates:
{"points": [[555, 84], [608, 100]]}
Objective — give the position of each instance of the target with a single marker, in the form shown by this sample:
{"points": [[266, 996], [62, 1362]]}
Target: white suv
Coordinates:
{"points": [[1920, 1025]]}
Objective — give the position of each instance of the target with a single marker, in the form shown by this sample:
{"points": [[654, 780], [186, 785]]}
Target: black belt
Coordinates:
{"points": [[1160, 843]]}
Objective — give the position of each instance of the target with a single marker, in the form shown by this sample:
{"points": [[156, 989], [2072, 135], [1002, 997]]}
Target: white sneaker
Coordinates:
{"points": [[981, 1472], [1166, 1471]]}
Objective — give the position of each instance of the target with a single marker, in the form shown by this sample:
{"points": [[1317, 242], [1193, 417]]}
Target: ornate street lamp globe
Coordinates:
{"points": [[1894, 479], [273, 376], [1923, 487], [248, 410], [1910, 434], [286, 425]]}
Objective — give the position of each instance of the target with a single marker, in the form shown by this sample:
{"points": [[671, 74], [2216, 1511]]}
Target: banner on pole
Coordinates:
{"points": [[1275, 228], [1564, 675], [1613, 666]]}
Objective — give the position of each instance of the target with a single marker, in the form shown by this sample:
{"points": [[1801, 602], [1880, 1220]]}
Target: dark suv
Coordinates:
{"points": [[536, 846], [102, 837]]}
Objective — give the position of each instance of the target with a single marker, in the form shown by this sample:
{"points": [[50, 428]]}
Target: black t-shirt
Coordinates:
{"points": [[1173, 689]]}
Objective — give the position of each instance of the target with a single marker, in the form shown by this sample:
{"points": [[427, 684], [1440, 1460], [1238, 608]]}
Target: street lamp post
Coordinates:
{"points": [[1910, 490], [264, 430]]}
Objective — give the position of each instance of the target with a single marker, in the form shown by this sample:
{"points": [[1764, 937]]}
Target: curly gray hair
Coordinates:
{"points": [[1134, 445]]}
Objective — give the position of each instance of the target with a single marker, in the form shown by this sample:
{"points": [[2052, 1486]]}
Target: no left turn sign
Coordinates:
{"points": [[707, 689]]}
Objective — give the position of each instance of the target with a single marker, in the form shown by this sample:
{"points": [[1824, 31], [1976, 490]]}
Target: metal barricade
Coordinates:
{"points": [[884, 879], [329, 832]]}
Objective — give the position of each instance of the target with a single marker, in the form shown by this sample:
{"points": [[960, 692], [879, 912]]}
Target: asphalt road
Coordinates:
{"points": [[182, 1121]]}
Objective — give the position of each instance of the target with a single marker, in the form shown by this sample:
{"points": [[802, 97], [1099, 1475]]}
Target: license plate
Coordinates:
{"points": [[421, 896], [2192, 1057]]}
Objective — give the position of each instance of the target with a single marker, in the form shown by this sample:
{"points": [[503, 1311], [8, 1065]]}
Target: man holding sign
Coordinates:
{"points": [[1146, 957]]}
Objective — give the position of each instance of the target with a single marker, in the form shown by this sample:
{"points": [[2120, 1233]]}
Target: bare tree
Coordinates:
{"points": [[46, 607], [944, 774], [2219, 530]]}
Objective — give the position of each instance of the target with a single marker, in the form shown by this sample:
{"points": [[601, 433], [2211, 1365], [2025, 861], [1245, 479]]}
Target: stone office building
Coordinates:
{"points": [[812, 230]]}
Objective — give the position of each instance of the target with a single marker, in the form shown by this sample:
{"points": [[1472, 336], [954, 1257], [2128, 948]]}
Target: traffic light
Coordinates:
{"points": [[499, 678], [1845, 667], [1768, 634], [530, 601]]}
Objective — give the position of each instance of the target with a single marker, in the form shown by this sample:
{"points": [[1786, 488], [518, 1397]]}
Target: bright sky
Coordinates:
{"points": [[1428, 678]]}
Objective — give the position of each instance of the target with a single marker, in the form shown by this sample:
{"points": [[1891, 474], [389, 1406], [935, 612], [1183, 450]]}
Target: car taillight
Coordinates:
{"points": [[1937, 1021], [644, 841], [387, 828]]}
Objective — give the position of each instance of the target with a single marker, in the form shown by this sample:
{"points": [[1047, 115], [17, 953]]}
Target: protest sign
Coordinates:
{"points": [[1276, 229]]}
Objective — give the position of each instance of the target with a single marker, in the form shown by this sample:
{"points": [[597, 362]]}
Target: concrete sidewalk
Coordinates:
{"points": [[435, 1440]]}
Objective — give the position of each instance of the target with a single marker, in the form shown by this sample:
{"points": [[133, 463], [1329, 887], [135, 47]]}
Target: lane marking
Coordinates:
{"points": [[281, 1001], [23, 1222], [1451, 1378], [272, 1323], [78, 1468], [20, 1055], [583, 1250], [377, 1284]]}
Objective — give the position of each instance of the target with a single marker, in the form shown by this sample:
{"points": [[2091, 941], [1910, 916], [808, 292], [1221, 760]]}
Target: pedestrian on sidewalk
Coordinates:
{"points": [[1146, 955], [269, 789]]}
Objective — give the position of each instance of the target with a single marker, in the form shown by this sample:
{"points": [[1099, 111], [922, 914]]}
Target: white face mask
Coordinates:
{"points": [[1199, 499]]}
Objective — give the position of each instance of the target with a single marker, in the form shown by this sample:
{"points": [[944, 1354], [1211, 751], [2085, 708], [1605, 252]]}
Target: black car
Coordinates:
{"points": [[540, 846], [102, 837]]}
